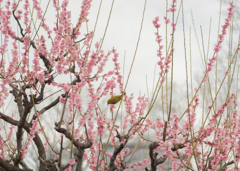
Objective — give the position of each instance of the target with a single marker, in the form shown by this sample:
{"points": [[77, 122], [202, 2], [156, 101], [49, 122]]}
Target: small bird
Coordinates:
{"points": [[115, 99]]}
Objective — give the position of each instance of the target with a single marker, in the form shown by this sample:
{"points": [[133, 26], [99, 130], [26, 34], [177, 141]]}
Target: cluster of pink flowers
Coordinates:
{"points": [[13, 65], [218, 45], [5, 28], [117, 69], [164, 61], [225, 139], [65, 18], [155, 23], [71, 162], [224, 27], [5, 143], [221, 110], [100, 123], [86, 4], [116, 72], [19, 12], [10, 133], [2, 148], [33, 130], [129, 111], [103, 58], [167, 21], [173, 6], [38, 9], [209, 67], [140, 165], [26, 13], [141, 105], [3, 93], [63, 54], [25, 59], [211, 126], [172, 9]]}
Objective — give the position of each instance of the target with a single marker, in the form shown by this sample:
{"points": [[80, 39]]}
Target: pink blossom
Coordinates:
{"points": [[166, 20], [101, 127], [155, 22], [72, 161]]}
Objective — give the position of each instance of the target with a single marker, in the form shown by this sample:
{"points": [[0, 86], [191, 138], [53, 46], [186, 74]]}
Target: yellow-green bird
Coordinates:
{"points": [[115, 99]]}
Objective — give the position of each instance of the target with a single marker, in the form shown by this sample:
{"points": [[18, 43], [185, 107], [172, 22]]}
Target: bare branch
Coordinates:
{"points": [[9, 167], [81, 146]]}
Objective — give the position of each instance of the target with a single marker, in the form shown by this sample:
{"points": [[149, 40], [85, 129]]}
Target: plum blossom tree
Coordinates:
{"points": [[56, 65]]}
